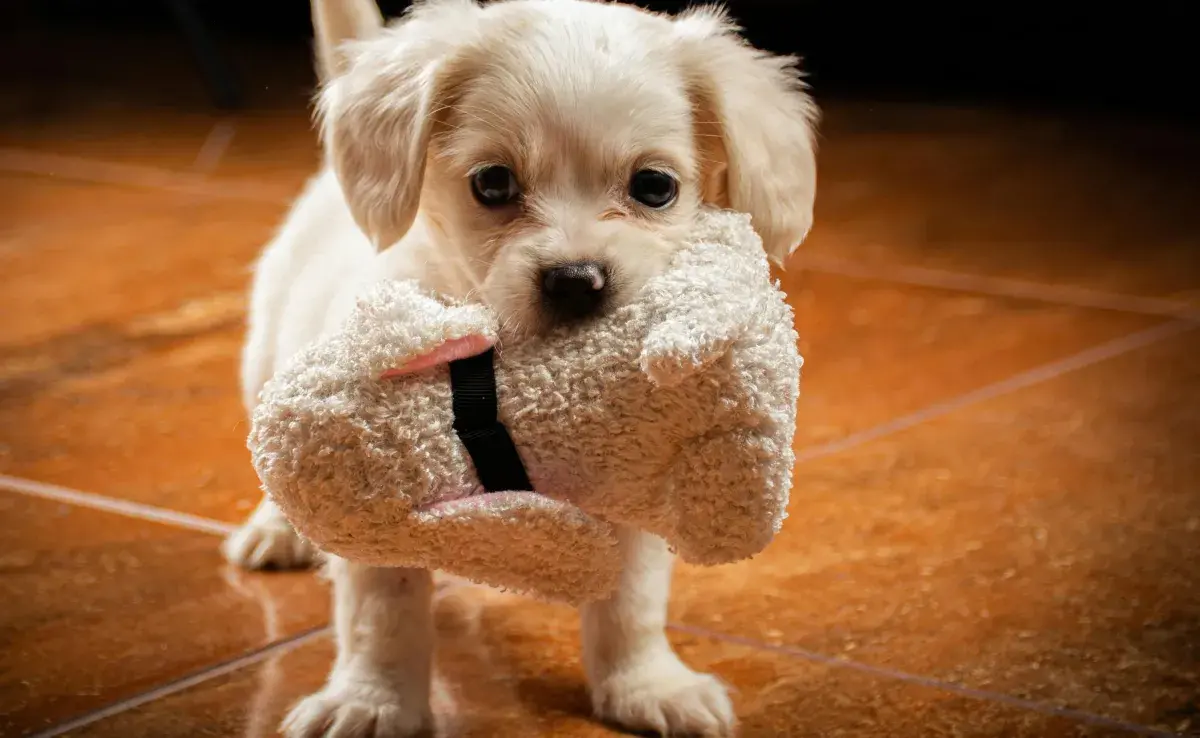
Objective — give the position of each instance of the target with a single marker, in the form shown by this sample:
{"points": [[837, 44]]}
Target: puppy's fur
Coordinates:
{"points": [[573, 97]]}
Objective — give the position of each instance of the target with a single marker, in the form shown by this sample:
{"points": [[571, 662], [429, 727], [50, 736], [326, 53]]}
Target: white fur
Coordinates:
{"points": [[573, 96]]}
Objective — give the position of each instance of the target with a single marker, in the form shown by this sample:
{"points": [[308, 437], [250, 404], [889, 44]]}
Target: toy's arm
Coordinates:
{"points": [[705, 301]]}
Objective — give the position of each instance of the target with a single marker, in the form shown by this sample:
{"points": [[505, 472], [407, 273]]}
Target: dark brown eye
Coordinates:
{"points": [[495, 186], [653, 188]]}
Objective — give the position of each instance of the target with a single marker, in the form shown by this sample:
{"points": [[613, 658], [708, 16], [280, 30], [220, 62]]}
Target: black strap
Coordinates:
{"points": [[476, 421]]}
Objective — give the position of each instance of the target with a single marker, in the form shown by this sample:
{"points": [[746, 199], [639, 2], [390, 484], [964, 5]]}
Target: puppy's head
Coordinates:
{"points": [[558, 150]]}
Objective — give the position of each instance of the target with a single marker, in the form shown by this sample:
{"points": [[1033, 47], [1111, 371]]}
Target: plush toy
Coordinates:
{"points": [[409, 438]]}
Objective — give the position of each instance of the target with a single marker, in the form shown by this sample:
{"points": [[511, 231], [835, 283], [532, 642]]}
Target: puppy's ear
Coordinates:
{"points": [[377, 113], [754, 129], [334, 23]]}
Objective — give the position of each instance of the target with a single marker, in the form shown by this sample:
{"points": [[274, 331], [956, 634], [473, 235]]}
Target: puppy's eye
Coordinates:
{"points": [[495, 186], [653, 188]]}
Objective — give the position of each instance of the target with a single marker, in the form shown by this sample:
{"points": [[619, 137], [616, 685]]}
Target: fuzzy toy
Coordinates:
{"points": [[392, 442]]}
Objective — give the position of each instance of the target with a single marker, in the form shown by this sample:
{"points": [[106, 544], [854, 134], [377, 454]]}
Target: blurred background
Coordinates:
{"points": [[995, 529], [1116, 57]]}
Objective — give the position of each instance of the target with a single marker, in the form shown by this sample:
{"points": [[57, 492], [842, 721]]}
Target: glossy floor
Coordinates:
{"points": [[995, 528]]}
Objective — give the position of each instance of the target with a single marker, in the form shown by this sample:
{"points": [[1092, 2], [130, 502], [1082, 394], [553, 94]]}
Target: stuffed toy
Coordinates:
{"points": [[410, 437]]}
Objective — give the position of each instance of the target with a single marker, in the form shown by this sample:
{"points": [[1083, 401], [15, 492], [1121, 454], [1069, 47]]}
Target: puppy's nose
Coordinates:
{"points": [[576, 290]]}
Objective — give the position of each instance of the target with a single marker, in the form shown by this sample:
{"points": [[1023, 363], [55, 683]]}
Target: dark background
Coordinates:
{"points": [[1130, 57]]}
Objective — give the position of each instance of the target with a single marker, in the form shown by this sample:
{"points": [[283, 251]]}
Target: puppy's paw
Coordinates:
{"points": [[664, 696], [357, 710], [268, 545]]}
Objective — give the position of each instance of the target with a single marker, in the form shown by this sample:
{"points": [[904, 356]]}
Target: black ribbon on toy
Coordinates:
{"points": [[477, 423]]}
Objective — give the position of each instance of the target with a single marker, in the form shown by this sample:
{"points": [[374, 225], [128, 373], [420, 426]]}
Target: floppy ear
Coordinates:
{"points": [[754, 129], [379, 109]]}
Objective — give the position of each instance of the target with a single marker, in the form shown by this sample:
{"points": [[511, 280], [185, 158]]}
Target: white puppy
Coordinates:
{"points": [[543, 157]]}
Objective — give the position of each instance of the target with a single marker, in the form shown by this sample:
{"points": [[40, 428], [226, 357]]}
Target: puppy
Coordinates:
{"points": [[543, 157]]}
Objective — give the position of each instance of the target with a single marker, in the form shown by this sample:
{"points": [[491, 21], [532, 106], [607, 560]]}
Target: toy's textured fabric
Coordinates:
{"points": [[673, 414]]}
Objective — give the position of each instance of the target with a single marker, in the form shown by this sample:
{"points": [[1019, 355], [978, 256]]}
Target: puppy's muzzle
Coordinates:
{"points": [[575, 291]]}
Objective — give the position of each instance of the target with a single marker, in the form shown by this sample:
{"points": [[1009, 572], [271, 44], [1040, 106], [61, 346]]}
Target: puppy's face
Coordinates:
{"points": [[559, 149], [566, 165]]}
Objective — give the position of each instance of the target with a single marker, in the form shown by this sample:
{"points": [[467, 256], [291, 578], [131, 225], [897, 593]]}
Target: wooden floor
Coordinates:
{"points": [[995, 526]]}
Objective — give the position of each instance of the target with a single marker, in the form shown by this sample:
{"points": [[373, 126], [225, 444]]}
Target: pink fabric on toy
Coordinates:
{"points": [[452, 350]]}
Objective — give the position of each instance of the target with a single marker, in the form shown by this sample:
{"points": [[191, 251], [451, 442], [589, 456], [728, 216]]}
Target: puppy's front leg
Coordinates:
{"points": [[268, 541], [380, 683], [636, 679]]}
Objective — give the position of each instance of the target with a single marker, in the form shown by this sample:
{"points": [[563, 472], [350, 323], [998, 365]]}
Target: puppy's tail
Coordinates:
{"points": [[334, 23]]}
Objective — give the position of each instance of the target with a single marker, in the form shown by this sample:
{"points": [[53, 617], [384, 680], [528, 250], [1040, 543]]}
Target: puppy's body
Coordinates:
{"points": [[541, 156]]}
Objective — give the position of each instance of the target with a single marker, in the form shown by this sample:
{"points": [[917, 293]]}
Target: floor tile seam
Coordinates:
{"points": [[882, 672], [175, 686], [1084, 359], [115, 505], [273, 649], [1056, 294], [285, 645]]}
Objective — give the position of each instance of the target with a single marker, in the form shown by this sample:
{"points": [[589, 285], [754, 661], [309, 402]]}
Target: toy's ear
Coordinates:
{"points": [[706, 300], [444, 353]]}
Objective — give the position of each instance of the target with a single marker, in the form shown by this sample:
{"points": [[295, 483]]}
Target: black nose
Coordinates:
{"points": [[576, 290]]}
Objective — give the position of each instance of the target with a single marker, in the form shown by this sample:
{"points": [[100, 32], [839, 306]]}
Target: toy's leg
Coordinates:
{"points": [[381, 681], [267, 541], [637, 681]]}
